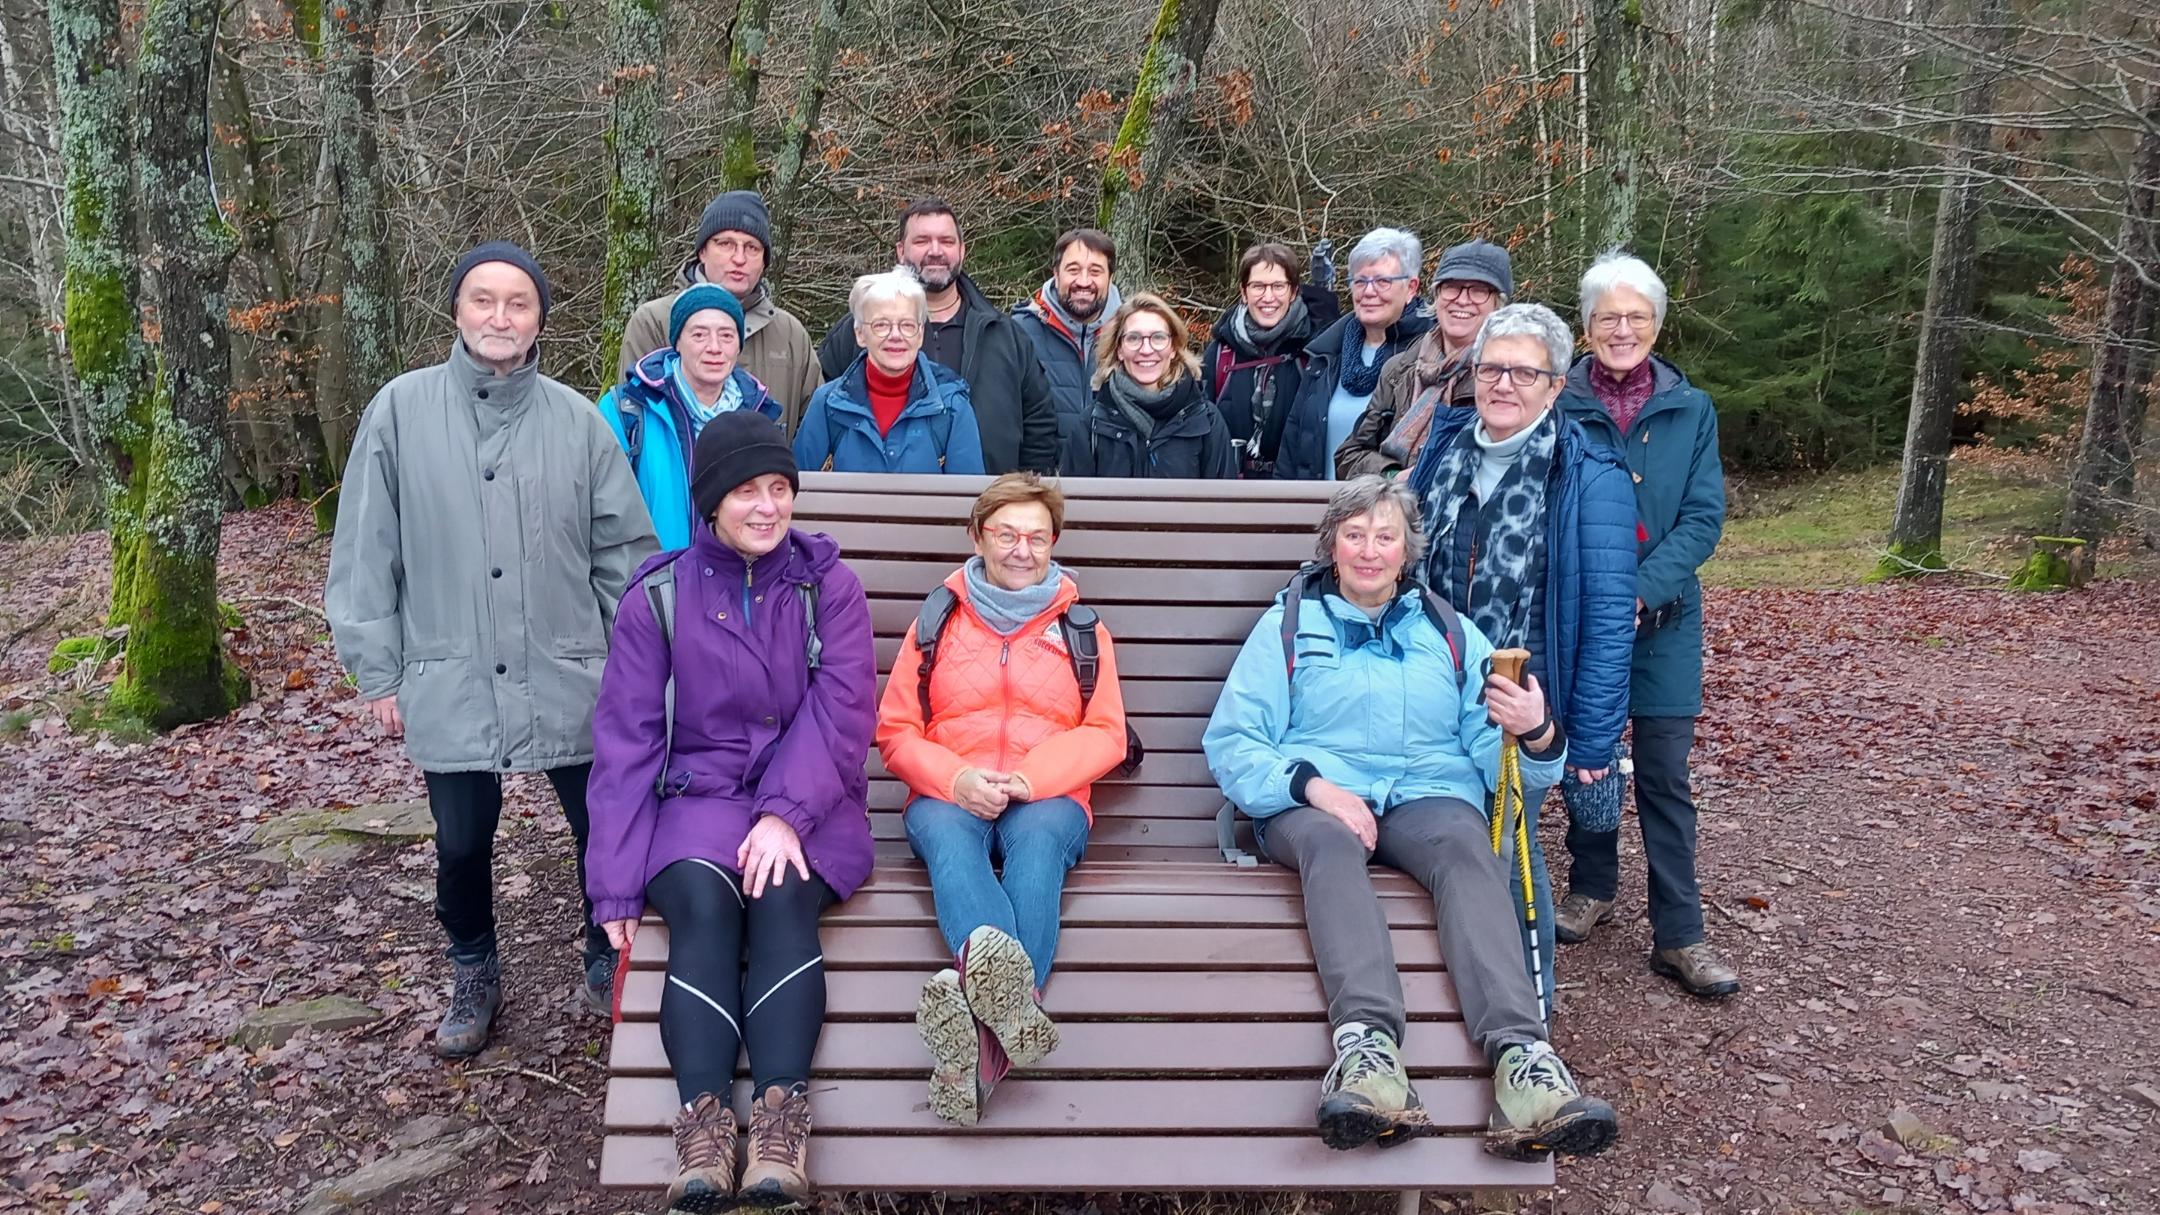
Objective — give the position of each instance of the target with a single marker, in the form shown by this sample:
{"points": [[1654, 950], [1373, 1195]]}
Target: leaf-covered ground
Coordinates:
{"points": [[1930, 841]]}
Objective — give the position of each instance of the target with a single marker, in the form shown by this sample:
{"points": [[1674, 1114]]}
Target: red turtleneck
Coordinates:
{"points": [[888, 394]]}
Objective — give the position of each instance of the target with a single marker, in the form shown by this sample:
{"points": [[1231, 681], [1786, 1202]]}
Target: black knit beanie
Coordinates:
{"points": [[509, 254], [735, 447], [737, 211]]}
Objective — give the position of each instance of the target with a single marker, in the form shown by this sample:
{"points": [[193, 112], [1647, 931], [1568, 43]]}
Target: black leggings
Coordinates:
{"points": [[703, 1025]]}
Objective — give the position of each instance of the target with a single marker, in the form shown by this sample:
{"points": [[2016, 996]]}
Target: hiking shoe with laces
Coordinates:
{"points": [[1577, 915], [597, 992], [1697, 969], [966, 1060], [475, 998], [777, 1177], [1366, 1095], [704, 1159], [998, 979], [1542, 1112]]}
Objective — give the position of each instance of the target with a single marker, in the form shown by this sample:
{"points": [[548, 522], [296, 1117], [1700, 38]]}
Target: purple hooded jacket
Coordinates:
{"points": [[755, 732]]}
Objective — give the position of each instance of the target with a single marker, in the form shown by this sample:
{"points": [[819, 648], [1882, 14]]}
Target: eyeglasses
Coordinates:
{"points": [[1267, 289], [1521, 377], [1007, 538], [1373, 282], [1476, 293], [886, 328], [1610, 322], [1145, 341]]}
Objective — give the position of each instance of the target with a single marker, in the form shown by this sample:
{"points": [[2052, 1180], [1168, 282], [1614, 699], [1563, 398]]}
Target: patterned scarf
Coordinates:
{"points": [[1623, 396], [1432, 380], [1510, 545]]}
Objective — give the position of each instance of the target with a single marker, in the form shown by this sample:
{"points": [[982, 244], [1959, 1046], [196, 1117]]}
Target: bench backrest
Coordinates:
{"points": [[1179, 572]]}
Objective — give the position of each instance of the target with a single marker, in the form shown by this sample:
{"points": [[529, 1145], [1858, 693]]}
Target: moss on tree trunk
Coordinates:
{"points": [[634, 139], [746, 66], [175, 670]]}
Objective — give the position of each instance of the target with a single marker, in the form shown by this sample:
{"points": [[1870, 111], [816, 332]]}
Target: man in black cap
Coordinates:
{"points": [[486, 528], [734, 246]]}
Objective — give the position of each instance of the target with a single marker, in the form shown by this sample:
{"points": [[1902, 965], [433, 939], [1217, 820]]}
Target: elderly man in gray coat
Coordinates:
{"points": [[487, 527]]}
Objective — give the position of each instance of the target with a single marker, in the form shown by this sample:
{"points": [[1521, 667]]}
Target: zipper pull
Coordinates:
{"points": [[1004, 652]]}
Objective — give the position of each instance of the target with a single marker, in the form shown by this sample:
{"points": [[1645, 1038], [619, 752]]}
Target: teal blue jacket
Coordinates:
{"points": [[1374, 707], [654, 389], [1671, 454]]}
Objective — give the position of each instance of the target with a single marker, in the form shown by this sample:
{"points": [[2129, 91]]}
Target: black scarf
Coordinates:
{"points": [[1145, 408], [1360, 377], [1511, 526]]}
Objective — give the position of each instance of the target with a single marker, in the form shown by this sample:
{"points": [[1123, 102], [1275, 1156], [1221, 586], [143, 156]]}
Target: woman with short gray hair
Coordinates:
{"points": [[1346, 358], [1663, 430], [1433, 375], [893, 410], [1389, 756], [1534, 539]]}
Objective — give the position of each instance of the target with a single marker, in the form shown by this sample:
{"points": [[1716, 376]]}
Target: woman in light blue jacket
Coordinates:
{"points": [[1368, 732], [893, 410]]}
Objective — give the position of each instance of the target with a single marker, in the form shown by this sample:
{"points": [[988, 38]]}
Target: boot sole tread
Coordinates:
{"points": [[708, 1203], [999, 983], [769, 1196], [947, 1027], [1583, 1127]]}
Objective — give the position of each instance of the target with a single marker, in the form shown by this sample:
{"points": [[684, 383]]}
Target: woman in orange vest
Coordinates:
{"points": [[999, 748]]}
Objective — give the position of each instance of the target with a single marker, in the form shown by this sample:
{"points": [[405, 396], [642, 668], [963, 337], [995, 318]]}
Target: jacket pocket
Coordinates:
{"points": [[441, 701]]}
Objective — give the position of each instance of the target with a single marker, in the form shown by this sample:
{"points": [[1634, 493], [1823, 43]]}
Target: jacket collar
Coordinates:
{"points": [[1670, 390], [1068, 591], [925, 396], [758, 307], [1180, 424], [803, 557], [1415, 320], [502, 392]]}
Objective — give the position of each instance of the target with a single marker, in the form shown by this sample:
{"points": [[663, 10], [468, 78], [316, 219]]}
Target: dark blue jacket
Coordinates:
{"points": [[1585, 625], [935, 432], [1304, 454], [1671, 454]]}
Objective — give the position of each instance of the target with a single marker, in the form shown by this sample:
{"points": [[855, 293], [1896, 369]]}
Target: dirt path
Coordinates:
{"points": [[1930, 843]]}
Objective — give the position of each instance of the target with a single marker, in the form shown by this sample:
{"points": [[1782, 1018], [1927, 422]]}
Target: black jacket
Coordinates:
{"points": [[1236, 373], [1303, 455], [1012, 399], [1192, 442]]}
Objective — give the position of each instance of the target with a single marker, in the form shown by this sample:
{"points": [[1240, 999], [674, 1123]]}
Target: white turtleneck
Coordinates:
{"points": [[1495, 455]]}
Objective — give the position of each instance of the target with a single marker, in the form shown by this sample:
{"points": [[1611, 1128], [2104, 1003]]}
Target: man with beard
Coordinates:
{"points": [[966, 334], [1064, 316], [734, 247]]}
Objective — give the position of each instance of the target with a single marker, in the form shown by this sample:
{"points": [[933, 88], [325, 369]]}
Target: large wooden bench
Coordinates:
{"points": [[1194, 1029]]}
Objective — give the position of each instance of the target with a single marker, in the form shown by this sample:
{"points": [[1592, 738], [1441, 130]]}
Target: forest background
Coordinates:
{"points": [[1890, 226]]}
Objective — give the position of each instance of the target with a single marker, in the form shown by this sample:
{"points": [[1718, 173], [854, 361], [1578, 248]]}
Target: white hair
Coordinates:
{"points": [[1403, 246], [1617, 269], [898, 283], [1528, 320]]}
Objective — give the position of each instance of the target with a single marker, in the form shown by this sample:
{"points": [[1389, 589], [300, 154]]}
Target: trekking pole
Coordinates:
{"points": [[1507, 805]]}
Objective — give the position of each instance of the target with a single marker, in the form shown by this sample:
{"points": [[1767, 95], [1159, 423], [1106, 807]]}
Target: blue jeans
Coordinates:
{"points": [[1541, 884], [1037, 841]]}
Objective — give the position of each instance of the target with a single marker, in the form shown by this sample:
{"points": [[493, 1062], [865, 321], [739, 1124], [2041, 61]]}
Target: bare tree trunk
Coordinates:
{"points": [[802, 126], [2104, 466], [104, 325], [1616, 109], [360, 344], [638, 33], [1916, 528], [175, 669], [746, 65], [31, 126], [1154, 127]]}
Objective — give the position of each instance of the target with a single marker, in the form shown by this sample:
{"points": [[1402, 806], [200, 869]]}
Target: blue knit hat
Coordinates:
{"points": [[697, 298]]}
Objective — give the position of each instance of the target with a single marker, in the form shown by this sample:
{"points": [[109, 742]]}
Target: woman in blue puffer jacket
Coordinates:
{"points": [[893, 410], [1533, 538]]}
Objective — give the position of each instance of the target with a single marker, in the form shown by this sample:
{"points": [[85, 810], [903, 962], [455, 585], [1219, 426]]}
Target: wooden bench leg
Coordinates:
{"points": [[1411, 1203]]}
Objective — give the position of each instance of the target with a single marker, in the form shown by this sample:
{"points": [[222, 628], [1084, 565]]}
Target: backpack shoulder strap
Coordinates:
{"points": [[1084, 647], [930, 621], [1225, 360], [814, 648], [632, 412], [1449, 622], [1295, 593], [660, 594]]}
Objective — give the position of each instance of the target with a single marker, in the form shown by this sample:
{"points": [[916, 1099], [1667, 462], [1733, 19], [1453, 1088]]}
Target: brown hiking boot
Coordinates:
{"points": [[1697, 969], [1577, 915], [778, 1175], [704, 1158]]}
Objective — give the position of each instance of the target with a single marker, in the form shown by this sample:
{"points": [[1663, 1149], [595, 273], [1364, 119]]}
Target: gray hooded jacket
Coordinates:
{"points": [[486, 529]]}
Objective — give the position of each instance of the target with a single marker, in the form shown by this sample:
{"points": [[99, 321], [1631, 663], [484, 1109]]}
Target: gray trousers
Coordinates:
{"points": [[1445, 846]]}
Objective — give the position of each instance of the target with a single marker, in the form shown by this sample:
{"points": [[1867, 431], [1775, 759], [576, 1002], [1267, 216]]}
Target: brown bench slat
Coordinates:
{"points": [[1145, 1048], [878, 948], [1122, 489], [896, 850], [1140, 660], [890, 616], [1099, 585], [1243, 995], [1107, 832], [1187, 769], [1205, 876], [1090, 514], [1088, 909], [997, 1163], [1026, 1105], [1110, 800], [1195, 552]]}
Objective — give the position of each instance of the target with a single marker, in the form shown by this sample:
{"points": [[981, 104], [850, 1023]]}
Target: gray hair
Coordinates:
{"points": [[1528, 320], [1403, 246], [1617, 269], [898, 283], [1363, 495]]}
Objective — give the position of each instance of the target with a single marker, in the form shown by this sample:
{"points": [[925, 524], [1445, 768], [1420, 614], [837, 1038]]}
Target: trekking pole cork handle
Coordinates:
{"points": [[1510, 663]]}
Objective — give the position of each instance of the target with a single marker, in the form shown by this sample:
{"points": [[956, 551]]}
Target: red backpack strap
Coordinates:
{"points": [[1223, 364]]}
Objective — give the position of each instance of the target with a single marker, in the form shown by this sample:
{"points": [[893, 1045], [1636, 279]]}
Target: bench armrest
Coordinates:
{"points": [[1226, 838]]}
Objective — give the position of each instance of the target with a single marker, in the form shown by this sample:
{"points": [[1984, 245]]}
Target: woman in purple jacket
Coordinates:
{"points": [[728, 794]]}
